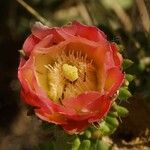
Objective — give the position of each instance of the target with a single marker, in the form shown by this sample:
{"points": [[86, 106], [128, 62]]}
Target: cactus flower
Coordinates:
{"points": [[69, 74]]}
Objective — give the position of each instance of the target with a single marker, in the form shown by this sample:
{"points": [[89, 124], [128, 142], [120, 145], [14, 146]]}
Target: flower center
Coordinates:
{"points": [[70, 75], [70, 72]]}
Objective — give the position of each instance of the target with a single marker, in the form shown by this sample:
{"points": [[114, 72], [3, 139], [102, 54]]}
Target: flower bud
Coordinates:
{"points": [[112, 120], [85, 145], [122, 111], [22, 53], [129, 77], [87, 133], [127, 63], [76, 144], [104, 129], [102, 146], [124, 94], [113, 114]]}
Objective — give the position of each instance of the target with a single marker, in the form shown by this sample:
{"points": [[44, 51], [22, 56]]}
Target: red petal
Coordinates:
{"points": [[113, 81], [29, 44], [22, 62], [30, 99], [103, 105], [90, 106], [50, 117], [40, 31], [80, 102], [25, 76], [67, 31], [45, 42], [116, 55], [74, 127], [75, 29], [27, 79], [89, 32], [109, 61]]}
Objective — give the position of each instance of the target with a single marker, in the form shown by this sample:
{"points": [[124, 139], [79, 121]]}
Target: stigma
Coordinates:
{"points": [[70, 72]]}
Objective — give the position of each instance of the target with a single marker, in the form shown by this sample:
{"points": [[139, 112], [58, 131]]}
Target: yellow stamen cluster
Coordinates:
{"points": [[70, 75]]}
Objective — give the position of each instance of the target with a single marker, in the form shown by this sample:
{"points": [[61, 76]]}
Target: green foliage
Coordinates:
{"points": [[129, 77], [46, 146], [124, 93], [112, 121], [76, 143], [104, 128], [113, 114], [85, 145], [87, 134], [121, 111], [100, 145], [127, 63], [58, 139]]}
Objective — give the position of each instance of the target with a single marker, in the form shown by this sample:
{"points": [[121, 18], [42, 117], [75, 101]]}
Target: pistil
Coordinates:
{"points": [[70, 72]]}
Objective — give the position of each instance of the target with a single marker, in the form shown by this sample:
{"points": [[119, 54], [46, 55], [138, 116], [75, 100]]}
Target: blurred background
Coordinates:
{"points": [[127, 22]]}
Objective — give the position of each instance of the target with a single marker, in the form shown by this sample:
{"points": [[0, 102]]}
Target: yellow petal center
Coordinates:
{"points": [[70, 72]]}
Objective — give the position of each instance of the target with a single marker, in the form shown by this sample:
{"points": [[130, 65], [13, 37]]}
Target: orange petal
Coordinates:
{"points": [[116, 55], [50, 117], [89, 32], [74, 127], [103, 104], [113, 81], [29, 44], [80, 102], [88, 106]]}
